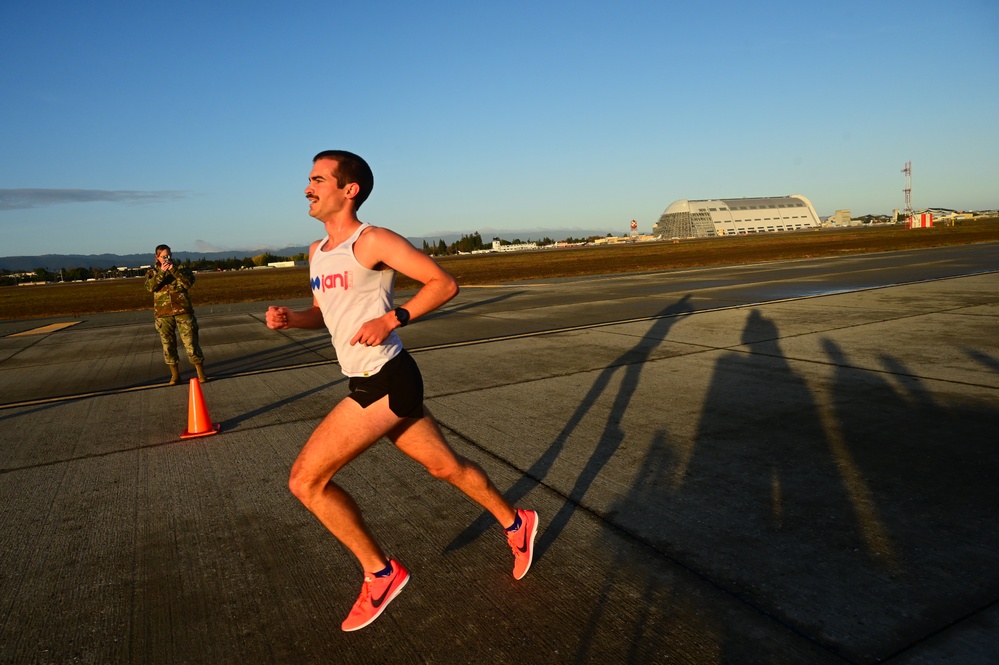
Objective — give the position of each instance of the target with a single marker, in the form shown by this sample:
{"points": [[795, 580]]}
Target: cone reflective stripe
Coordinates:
{"points": [[199, 423]]}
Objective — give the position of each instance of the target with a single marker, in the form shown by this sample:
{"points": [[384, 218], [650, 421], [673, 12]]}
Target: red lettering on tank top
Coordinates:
{"points": [[343, 280]]}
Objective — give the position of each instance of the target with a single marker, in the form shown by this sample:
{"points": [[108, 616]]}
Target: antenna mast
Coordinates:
{"points": [[908, 190]]}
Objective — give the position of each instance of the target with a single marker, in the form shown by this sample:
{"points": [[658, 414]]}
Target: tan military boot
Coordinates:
{"points": [[201, 372], [174, 375]]}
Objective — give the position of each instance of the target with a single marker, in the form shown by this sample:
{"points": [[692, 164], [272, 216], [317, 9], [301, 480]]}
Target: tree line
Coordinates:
{"points": [[83, 274], [465, 245], [473, 243]]}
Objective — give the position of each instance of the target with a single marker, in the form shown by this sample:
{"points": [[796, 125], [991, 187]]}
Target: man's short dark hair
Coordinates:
{"points": [[350, 168], [160, 248]]}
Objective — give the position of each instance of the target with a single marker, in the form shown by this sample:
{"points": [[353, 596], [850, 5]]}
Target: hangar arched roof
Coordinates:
{"points": [[736, 216]]}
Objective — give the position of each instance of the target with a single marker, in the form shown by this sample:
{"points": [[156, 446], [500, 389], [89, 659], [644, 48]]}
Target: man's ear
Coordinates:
{"points": [[351, 189]]}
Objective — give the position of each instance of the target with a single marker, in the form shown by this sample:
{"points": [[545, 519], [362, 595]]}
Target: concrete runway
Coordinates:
{"points": [[794, 462]]}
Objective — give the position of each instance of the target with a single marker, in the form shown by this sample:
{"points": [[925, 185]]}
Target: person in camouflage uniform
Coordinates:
{"points": [[174, 312]]}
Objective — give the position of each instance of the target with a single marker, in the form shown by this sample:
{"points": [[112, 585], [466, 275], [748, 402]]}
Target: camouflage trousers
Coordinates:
{"points": [[186, 325]]}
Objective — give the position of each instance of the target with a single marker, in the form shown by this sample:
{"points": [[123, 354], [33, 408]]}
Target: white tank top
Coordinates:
{"points": [[349, 295]]}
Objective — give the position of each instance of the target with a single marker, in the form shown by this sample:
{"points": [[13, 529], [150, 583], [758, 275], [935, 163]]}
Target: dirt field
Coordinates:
{"points": [[76, 299]]}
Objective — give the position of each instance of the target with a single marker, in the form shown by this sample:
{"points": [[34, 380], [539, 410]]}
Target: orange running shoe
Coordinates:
{"points": [[376, 594], [522, 542]]}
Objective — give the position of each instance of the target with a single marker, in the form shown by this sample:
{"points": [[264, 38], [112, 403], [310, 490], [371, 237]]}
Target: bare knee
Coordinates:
{"points": [[455, 472], [298, 487], [304, 486]]}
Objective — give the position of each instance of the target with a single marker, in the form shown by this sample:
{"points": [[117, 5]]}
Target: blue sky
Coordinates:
{"points": [[128, 124]]}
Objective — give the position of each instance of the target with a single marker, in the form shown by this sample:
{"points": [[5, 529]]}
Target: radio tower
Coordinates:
{"points": [[908, 192]]}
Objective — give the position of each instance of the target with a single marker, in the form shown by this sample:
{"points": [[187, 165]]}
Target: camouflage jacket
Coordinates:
{"points": [[169, 291]]}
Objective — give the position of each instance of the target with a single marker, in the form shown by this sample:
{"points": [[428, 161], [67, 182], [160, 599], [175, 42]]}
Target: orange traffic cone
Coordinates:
{"points": [[199, 423]]}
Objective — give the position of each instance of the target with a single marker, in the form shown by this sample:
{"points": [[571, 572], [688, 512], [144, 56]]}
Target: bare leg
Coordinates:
{"points": [[344, 434], [423, 441]]}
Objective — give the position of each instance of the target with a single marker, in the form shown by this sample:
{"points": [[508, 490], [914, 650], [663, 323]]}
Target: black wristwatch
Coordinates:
{"points": [[402, 314]]}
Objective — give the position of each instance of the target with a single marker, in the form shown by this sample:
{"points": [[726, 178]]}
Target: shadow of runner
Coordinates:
{"points": [[983, 358], [733, 503], [631, 363], [673, 614], [450, 311], [275, 357], [231, 423], [660, 618], [856, 508], [927, 454]]}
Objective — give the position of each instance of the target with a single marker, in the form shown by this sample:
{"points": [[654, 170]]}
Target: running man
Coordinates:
{"points": [[352, 272]]}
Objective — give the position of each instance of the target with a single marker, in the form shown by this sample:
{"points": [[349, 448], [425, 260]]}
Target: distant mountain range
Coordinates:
{"points": [[56, 262]]}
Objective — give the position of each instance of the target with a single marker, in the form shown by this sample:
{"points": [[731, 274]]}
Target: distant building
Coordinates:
{"points": [[617, 240], [287, 264], [499, 247], [730, 217], [841, 218]]}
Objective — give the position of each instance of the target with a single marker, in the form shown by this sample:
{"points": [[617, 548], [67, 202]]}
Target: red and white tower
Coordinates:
{"points": [[908, 192]]}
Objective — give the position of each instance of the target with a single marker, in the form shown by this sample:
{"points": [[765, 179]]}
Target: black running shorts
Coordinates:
{"points": [[400, 379]]}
